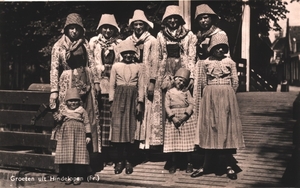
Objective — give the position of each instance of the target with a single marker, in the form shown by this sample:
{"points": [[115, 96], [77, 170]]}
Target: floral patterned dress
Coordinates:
{"points": [[105, 55], [69, 71]]}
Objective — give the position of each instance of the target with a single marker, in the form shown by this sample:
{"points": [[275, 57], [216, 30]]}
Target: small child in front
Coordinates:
{"points": [[126, 95], [180, 125], [74, 134]]}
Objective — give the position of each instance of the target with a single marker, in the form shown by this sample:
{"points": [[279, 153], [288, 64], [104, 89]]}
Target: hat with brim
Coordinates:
{"points": [[72, 93], [126, 46], [139, 15], [173, 10], [204, 9], [108, 19], [73, 19], [218, 39], [183, 73]]}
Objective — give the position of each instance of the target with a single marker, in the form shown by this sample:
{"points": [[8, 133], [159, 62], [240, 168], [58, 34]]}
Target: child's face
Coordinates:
{"points": [[219, 51], [72, 104], [128, 57], [179, 82]]}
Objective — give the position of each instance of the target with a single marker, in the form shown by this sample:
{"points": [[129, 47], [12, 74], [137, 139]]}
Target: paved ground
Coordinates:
{"points": [[267, 125]]}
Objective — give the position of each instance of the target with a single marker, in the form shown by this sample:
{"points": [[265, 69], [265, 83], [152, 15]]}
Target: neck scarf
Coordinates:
{"points": [[71, 46], [179, 33], [203, 35], [139, 42]]}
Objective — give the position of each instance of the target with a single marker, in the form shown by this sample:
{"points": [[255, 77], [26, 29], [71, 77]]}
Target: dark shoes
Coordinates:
{"points": [[231, 174], [69, 181], [189, 168], [77, 181], [129, 168], [172, 169], [198, 173], [119, 168]]}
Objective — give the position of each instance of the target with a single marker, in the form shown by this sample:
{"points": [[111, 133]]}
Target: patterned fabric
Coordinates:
{"points": [[71, 144], [105, 120], [218, 121], [147, 129], [100, 48], [104, 54], [181, 139], [204, 41], [168, 68], [123, 119], [61, 81]]}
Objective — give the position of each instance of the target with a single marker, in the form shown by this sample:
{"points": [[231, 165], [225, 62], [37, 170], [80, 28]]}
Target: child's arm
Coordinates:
{"points": [[189, 110], [169, 112], [112, 83], [87, 125], [202, 76], [234, 77]]}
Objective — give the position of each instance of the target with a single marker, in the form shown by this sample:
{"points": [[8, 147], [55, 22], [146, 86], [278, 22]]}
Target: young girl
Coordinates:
{"points": [[180, 125], [219, 128], [75, 134], [126, 95]]}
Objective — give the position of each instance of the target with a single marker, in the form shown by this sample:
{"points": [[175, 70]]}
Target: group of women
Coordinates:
{"points": [[177, 57]]}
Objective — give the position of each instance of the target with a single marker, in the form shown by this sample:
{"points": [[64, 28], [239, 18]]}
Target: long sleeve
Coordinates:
{"points": [[234, 77], [168, 104], [112, 83], [192, 54], [153, 59], [141, 83], [92, 63], [202, 76], [86, 121], [189, 109], [54, 72]]}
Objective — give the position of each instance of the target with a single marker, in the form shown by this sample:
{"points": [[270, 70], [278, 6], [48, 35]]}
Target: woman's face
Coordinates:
{"points": [[74, 31], [107, 31], [179, 82], [205, 21], [128, 56], [139, 28], [72, 104], [172, 22]]}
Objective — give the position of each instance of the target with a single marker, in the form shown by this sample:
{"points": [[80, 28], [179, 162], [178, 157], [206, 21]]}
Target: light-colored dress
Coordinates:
{"points": [[147, 49], [125, 91], [179, 139], [218, 125]]}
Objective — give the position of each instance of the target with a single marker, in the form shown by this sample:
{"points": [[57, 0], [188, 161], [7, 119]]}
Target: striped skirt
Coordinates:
{"points": [[123, 118], [71, 144], [219, 125], [181, 139]]}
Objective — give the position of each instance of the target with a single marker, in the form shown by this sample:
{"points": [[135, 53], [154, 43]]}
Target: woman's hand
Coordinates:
{"points": [[53, 99], [97, 89], [176, 122], [88, 140], [190, 85], [150, 91], [139, 110]]}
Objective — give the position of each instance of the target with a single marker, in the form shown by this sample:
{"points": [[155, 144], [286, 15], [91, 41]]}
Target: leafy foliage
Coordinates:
{"points": [[31, 28]]}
